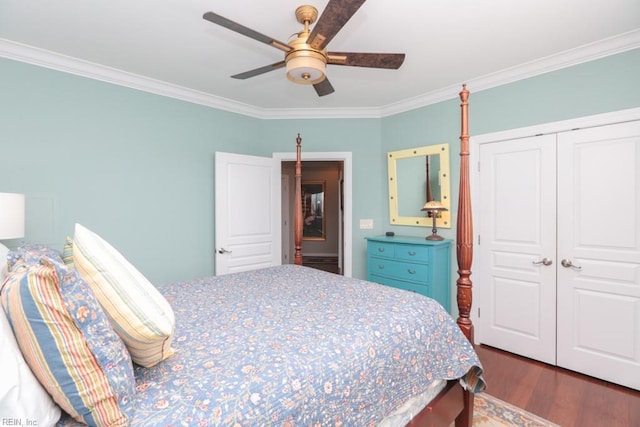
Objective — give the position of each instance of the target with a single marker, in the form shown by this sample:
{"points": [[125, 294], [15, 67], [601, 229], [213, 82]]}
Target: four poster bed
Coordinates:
{"points": [[282, 346], [454, 403]]}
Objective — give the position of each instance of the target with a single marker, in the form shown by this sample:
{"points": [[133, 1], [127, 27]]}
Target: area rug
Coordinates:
{"points": [[489, 411]]}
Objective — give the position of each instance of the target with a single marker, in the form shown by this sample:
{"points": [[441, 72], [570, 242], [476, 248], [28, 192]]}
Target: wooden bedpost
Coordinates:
{"points": [[464, 249], [464, 232], [297, 219]]}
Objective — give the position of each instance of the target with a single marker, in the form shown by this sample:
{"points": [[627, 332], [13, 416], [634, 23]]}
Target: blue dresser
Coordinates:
{"points": [[412, 263]]}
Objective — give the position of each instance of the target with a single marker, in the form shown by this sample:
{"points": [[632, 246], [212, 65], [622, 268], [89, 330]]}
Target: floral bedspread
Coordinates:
{"points": [[293, 346]]}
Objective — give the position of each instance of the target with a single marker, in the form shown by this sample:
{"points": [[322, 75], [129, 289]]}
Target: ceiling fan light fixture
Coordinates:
{"points": [[306, 70], [306, 56]]}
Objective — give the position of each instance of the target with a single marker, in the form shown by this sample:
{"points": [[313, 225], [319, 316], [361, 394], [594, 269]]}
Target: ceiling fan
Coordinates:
{"points": [[306, 56]]}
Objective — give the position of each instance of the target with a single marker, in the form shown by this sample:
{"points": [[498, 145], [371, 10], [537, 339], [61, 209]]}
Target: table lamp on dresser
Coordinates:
{"points": [[434, 207], [11, 220]]}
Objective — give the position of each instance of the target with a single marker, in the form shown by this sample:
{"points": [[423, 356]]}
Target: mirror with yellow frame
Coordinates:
{"points": [[416, 176]]}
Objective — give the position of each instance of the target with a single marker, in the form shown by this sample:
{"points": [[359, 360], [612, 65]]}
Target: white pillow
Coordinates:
{"points": [[138, 312], [21, 395]]}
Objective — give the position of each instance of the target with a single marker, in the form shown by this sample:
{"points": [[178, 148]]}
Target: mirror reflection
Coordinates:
{"points": [[416, 176], [410, 196], [313, 210]]}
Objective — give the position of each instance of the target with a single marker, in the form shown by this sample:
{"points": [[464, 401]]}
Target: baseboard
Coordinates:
{"points": [[321, 254], [316, 259]]}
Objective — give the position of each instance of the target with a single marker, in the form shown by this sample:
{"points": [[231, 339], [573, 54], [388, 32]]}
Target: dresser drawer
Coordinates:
{"points": [[399, 269], [413, 287], [381, 249], [413, 253]]}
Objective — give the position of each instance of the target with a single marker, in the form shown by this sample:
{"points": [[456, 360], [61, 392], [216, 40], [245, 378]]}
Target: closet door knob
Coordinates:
{"points": [[566, 263], [544, 261]]}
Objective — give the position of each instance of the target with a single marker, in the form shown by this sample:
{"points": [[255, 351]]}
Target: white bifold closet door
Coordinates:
{"points": [[517, 215], [560, 249], [599, 252]]}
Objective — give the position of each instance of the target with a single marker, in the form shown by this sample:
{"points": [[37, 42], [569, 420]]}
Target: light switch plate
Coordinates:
{"points": [[366, 224]]}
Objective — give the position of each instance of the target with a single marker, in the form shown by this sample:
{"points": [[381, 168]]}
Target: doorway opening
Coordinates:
{"points": [[323, 208], [331, 251]]}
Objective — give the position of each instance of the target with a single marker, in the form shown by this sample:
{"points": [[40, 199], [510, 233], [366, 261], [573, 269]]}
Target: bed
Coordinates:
{"points": [[286, 345]]}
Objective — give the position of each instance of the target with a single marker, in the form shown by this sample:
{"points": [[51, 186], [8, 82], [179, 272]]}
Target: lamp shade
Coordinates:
{"points": [[11, 216], [434, 205]]}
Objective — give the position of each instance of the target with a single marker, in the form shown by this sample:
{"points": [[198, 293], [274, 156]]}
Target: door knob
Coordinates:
{"points": [[566, 263], [224, 251], [544, 261]]}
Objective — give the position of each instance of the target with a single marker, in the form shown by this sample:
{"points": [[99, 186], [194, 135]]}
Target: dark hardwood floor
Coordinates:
{"points": [[329, 264], [561, 396]]}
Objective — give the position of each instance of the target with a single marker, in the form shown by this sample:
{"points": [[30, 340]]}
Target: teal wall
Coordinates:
{"points": [[137, 168]]}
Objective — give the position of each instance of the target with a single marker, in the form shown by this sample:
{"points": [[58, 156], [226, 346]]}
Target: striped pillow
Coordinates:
{"points": [[68, 342], [67, 252], [21, 394], [138, 312]]}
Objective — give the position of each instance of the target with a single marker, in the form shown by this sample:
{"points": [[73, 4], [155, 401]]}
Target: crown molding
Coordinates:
{"points": [[600, 49], [321, 113], [40, 57], [67, 64]]}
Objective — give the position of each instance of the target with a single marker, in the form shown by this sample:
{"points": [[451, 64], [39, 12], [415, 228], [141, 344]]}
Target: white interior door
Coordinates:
{"points": [[517, 247], [247, 213], [599, 241]]}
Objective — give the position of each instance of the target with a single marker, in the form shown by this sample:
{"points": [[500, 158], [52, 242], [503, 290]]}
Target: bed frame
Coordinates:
{"points": [[453, 403]]}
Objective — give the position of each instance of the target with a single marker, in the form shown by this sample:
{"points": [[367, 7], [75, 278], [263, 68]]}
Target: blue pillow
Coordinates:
{"points": [[67, 340]]}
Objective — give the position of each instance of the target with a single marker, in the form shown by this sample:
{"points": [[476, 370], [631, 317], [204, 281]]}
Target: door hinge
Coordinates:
{"points": [[478, 240], [478, 312]]}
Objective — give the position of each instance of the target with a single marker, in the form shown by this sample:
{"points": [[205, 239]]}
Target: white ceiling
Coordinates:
{"points": [[166, 47]]}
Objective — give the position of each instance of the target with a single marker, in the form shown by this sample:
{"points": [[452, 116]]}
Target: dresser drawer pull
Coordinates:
{"points": [[380, 267], [380, 249], [411, 271], [411, 253]]}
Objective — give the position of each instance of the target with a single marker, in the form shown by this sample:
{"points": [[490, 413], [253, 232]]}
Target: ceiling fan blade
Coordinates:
{"points": [[371, 60], [333, 18], [258, 71], [238, 28], [324, 87]]}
